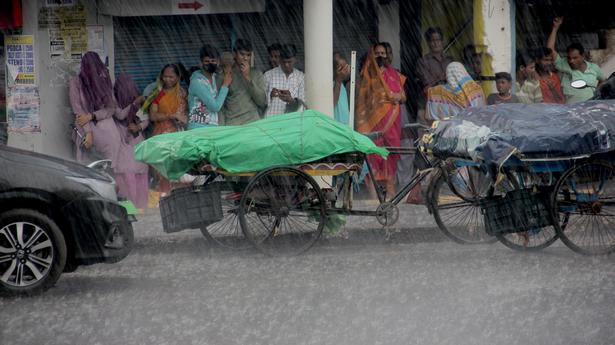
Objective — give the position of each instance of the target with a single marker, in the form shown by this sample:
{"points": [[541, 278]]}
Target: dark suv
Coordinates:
{"points": [[54, 216]]}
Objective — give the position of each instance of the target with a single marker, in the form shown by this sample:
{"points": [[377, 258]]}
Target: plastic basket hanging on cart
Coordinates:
{"points": [[191, 207], [517, 211]]}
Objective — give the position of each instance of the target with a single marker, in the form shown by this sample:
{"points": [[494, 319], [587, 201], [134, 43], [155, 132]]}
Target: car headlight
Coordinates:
{"points": [[103, 188]]}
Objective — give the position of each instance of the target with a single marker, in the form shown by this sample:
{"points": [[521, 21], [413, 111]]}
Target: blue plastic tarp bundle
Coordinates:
{"points": [[493, 134]]}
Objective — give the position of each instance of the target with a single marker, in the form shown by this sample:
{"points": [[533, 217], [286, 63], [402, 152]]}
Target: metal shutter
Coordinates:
{"points": [[282, 22], [355, 26], [143, 45]]}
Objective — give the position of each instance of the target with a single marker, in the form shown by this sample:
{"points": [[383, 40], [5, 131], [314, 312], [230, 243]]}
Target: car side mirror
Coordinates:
{"points": [[578, 84], [103, 165]]}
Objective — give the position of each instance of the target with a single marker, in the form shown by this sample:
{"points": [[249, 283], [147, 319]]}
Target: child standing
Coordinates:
{"points": [[503, 82]]}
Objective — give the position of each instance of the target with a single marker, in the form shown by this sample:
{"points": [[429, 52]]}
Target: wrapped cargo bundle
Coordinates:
{"points": [[287, 139], [493, 134]]}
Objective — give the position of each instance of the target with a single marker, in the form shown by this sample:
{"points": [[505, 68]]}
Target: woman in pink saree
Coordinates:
{"points": [[381, 90]]}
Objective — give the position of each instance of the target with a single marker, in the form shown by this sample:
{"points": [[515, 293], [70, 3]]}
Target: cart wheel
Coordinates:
{"points": [[535, 239], [227, 232], [282, 211], [454, 204], [585, 198]]}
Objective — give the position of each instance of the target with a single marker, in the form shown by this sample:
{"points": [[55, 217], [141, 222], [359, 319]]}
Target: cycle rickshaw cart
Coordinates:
{"points": [[283, 209], [280, 209], [552, 169]]}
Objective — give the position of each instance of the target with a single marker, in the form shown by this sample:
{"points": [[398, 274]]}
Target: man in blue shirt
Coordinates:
{"points": [[204, 98]]}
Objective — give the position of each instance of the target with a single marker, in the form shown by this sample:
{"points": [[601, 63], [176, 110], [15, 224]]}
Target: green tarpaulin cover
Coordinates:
{"points": [[279, 140]]}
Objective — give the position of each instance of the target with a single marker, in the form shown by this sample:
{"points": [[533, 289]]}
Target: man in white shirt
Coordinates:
{"points": [[285, 84]]}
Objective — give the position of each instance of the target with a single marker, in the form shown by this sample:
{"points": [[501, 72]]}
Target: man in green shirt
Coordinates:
{"points": [[246, 99], [575, 67]]}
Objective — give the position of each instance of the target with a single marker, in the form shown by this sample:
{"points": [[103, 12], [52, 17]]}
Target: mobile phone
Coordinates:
{"points": [[79, 135]]}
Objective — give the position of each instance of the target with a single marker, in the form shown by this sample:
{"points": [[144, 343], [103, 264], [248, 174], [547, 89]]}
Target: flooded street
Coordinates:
{"points": [[416, 288]]}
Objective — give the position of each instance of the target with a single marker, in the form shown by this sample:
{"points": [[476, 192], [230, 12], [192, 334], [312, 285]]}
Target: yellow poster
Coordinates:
{"points": [[20, 59], [73, 29]]}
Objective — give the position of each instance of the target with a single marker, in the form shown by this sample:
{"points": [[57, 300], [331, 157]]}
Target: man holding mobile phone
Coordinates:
{"points": [[285, 84]]}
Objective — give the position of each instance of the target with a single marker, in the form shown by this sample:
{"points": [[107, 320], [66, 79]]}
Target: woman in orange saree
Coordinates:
{"points": [[167, 111], [381, 90]]}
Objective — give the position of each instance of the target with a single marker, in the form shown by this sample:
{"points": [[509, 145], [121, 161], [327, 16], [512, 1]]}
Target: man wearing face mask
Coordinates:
{"points": [[204, 98], [381, 91]]}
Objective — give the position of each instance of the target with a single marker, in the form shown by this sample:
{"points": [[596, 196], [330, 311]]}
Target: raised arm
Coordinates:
{"points": [[203, 93], [557, 22]]}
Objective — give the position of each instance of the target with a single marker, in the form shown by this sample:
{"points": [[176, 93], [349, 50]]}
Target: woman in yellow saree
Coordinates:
{"points": [[459, 92], [167, 111]]}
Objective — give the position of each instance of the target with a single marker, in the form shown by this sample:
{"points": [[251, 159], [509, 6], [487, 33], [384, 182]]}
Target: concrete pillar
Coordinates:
{"points": [[494, 36], [318, 33]]}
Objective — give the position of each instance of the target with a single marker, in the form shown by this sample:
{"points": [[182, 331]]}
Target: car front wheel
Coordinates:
{"points": [[32, 252]]}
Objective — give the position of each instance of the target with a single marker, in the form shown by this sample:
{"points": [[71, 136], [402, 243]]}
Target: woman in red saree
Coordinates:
{"points": [[381, 90]]}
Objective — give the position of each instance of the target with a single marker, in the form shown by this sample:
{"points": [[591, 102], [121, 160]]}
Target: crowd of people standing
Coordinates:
{"points": [[109, 120], [227, 90]]}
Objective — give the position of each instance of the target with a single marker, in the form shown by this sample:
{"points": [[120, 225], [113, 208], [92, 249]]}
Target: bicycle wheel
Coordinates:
{"points": [[585, 194], [535, 239], [227, 232], [454, 204], [282, 211]]}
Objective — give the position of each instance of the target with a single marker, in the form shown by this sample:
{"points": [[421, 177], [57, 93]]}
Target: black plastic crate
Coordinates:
{"points": [[517, 211], [191, 207]]}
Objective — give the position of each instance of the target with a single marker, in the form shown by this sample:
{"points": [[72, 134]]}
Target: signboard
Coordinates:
{"points": [[20, 59], [23, 109], [216, 6]]}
